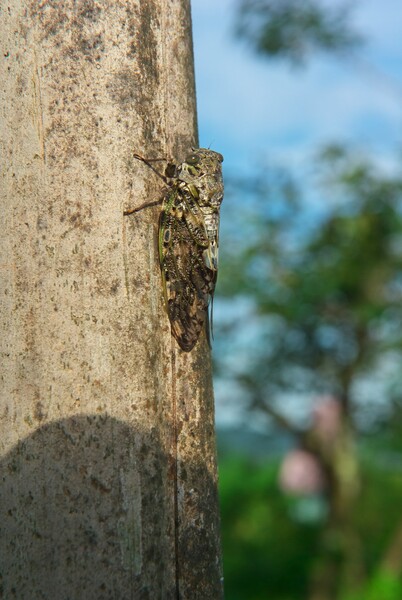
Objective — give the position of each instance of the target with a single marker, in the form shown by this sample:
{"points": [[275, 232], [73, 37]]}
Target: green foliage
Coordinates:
{"points": [[293, 29], [383, 585], [261, 545], [269, 554], [378, 512]]}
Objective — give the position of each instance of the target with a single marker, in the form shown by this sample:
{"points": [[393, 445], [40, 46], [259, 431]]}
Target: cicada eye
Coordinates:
{"points": [[192, 159]]}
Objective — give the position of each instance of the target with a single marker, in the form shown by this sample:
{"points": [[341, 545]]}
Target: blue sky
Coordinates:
{"points": [[251, 109]]}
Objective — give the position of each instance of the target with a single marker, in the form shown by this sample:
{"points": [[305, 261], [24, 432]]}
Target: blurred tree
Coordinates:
{"points": [[333, 284], [293, 30], [323, 292], [327, 295]]}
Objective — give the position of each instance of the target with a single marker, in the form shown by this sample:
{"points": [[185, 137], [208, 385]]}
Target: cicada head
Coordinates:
{"points": [[202, 170], [198, 163]]}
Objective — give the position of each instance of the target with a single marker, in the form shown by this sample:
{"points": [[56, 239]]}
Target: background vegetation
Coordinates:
{"points": [[312, 343]]}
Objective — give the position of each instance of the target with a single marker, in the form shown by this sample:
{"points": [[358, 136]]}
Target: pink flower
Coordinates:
{"points": [[301, 473]]}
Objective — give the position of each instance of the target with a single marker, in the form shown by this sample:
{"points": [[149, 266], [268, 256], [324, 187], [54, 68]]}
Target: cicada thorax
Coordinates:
{"points": [[188, 244]]}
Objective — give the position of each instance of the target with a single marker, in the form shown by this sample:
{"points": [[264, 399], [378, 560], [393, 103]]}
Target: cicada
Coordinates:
{"points": [[189, 242]]}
